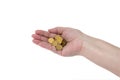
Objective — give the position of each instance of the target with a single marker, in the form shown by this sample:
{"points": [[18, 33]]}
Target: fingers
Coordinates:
{"points": [[35, 36], [36, 41], [43, 44], [49, 47], [38, 37], [41, 38], [57, 30], [44, 33], [46, 45]]}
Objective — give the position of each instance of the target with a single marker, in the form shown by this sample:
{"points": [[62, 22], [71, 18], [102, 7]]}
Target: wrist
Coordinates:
{"points": [[88, 45]]}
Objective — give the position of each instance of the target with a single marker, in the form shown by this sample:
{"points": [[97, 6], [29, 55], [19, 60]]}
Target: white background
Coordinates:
{"points": [[20, 59]]}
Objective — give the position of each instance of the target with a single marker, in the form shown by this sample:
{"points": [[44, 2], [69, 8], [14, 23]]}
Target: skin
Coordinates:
{"points": [[98, 51]]}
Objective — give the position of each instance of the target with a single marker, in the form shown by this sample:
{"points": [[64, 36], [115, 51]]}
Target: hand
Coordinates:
{"points": [[78, 43], [72, 36]]}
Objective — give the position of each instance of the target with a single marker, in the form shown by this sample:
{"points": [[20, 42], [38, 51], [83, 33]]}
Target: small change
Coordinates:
{"points": [[58, 42]]}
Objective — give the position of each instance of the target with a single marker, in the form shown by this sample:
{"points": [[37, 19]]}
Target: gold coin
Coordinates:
{"points": [[54, 43], [59, 39], [58, 42], [59, 47], [50, 40]]}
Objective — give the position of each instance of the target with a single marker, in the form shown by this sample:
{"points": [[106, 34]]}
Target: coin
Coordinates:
{"points": [[50, 40], [59, 47], [59, 39], [58, 42], [54, 43]]}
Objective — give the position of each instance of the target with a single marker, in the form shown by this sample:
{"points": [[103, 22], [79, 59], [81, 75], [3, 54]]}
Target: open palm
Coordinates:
{"points": [[72, 36]]}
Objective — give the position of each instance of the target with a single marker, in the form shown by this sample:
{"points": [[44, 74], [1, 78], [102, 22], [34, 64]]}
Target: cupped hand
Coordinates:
{"points": [[72, 36]]}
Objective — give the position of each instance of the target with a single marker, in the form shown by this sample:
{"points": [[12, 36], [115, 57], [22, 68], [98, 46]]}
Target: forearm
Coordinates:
{"points": [[102, 54]]}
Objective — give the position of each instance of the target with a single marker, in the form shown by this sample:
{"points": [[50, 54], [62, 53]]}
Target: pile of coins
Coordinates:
{"points": [[58, 42]]}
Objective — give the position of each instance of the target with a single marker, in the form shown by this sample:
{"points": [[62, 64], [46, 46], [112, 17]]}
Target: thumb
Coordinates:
{"points": [[57, 30]]}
